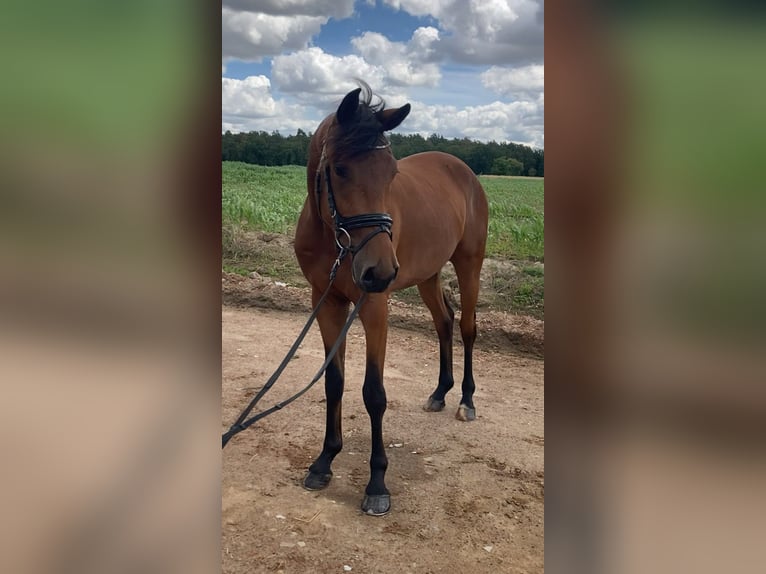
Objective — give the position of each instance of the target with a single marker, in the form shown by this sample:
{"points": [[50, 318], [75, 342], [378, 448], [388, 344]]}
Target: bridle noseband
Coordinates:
{"points": [[381, 221]]}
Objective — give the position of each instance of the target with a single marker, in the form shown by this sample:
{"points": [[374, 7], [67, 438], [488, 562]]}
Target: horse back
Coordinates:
{"points": [[443, 186]]}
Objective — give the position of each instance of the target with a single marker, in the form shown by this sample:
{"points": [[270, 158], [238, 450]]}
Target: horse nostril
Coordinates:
{"points": [[368, 277], [372, 283]]}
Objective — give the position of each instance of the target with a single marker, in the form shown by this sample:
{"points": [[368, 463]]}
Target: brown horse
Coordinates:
{"points": [[402, 220]]}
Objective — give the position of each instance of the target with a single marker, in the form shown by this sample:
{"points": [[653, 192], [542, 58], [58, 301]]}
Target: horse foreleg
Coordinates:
{"points": [[374, 315], [331, 318]]}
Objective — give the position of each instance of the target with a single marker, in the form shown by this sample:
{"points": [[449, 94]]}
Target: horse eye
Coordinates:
{"points": [[340, 171]]}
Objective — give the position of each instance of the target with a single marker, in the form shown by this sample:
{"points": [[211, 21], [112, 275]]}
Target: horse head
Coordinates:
{"points": [[357, 167]]}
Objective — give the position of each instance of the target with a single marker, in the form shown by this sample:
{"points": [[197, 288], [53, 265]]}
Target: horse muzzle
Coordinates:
{"points": [[376, 278]]}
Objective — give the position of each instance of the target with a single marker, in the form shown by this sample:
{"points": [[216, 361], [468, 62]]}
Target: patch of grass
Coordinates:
{"points": [[271, 255], [534, 271], [516, 222], [409, 295], [529, 295], [513, 286], [229, 268], [261, 198]]}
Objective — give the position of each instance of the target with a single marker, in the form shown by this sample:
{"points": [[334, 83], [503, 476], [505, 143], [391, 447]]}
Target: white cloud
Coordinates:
{"points": [[314, 76], [525, 82], [423, 41], [477, 31], [404, 64], [253, 29], [308, 83], [251, 96], [484, 31], [250, 36], [520, 122], [249, 105], [317, 74], [486, 17], [319, 79], [335, 8]]}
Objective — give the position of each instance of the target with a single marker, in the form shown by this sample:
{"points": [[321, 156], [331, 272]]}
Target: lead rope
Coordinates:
{"points": [[242, 421], [342, 225]]}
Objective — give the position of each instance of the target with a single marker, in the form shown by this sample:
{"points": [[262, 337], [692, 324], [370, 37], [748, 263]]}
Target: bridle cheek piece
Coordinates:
{"points": [[382, 222]]}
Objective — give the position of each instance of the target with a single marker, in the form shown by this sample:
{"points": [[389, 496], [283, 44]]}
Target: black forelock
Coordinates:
{"points": [[364, 131]]}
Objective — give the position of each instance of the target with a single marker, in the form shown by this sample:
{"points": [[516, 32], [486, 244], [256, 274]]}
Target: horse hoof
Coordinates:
{"points": [[433, 406], [465, 413], [316, 481], [376, 504]]}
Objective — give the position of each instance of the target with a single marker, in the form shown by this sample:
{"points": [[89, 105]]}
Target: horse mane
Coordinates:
{"points": [[365, 130]]}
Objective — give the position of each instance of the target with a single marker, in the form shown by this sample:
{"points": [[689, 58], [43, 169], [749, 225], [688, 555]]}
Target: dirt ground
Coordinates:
{"points": [[466, 497], [506, 284]]}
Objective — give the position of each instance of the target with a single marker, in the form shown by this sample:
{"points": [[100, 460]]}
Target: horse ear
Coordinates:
{"points": [[347, 108], [393, 117]]}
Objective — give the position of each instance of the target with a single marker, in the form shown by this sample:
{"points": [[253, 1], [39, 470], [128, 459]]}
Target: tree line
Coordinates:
{"points": [[491, 158]]}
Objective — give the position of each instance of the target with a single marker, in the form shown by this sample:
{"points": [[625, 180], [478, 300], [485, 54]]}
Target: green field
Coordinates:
{"points": [[258, 199], [516, 229], [262, 198], [270, 198]]}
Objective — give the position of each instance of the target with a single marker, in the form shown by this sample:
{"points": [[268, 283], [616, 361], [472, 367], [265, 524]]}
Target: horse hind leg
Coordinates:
{"points": [[468, 270], [444, 318]]}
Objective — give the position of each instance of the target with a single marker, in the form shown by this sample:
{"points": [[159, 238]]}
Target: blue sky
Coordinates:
{"points": [[469, 68]]}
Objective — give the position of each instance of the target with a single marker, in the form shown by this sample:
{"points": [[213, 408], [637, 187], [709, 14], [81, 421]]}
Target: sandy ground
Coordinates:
{"points": [[466, 497]]}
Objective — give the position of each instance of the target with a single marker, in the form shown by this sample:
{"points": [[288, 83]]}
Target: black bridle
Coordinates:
{"points": [[382, 222]]}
